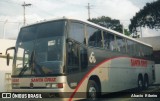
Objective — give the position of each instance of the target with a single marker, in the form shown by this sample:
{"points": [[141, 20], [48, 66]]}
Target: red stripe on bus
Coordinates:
{"points": [[80, 83]]}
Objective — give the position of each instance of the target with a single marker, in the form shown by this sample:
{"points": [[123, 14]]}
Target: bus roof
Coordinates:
{"points": [[93, 24]]}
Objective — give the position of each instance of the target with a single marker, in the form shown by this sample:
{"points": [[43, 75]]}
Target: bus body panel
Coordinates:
{"points": [[114, 77]]}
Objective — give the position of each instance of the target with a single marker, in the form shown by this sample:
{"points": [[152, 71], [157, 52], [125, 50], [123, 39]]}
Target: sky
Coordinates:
{"points": [[11, 12]]}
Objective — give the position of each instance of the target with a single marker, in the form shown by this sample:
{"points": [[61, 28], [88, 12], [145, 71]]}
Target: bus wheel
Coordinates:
{"points": [[92, 90], [140, 83], [146, 82]]}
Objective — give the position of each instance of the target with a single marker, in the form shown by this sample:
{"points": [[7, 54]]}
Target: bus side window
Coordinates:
{"points": [[130, 47], [121, 47], [77, 32], [109, 41], [94, 37]]}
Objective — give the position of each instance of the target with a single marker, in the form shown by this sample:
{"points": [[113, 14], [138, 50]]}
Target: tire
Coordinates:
{"points": [[146, 83], [140, 83], [92, 90]]}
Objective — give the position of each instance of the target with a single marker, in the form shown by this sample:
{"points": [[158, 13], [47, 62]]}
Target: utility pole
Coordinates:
{"points": [[4, 29], [123, 29], [25, 5], [88, 7]]}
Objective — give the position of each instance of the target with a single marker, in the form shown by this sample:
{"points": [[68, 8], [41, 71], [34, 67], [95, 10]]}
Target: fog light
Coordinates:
{"points": [[48, 85], [54, 85], [15, 85]]}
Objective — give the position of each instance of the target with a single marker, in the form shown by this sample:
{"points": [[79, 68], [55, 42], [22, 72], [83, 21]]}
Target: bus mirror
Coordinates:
{"points": [[70, 42], [67, 40], [8, 59], [8, 55]]}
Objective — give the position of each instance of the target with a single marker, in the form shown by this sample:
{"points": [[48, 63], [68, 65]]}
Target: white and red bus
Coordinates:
{"points": [[70, 55]]}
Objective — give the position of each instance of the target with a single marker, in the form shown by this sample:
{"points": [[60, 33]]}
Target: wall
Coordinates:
{"points": [[5, 80]]}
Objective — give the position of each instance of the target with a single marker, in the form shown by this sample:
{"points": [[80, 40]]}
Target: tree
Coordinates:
{"points": [[149, 17], [126, 32], [107, 22]]}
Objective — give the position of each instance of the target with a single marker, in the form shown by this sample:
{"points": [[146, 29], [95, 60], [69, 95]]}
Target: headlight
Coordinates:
{"points": [[54, 85], [48, 85], [15, 85]]}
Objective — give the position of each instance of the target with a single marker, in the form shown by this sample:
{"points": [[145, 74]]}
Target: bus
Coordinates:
{"points": [[80, 58]]}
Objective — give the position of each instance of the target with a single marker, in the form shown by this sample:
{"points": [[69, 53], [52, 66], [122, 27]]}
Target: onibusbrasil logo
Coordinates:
{"points": [[22, 95]]}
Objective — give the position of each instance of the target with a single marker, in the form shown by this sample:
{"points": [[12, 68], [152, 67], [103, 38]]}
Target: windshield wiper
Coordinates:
{"points": [[34, 66], [38, 69], [23, 70]]}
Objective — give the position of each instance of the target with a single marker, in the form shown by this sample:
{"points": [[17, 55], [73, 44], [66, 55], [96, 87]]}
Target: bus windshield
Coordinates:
{"points": [[40, 49]]}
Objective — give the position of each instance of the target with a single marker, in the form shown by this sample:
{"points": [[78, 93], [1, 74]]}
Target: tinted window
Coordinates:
{"points": [[130, 47], [41, 46], [50, 29], [140, 52], [136, 49], [147, 51], [26, 33], [73, 56], [77, 32], [121, 46], [49, 49], [109, 41], [94, 37], [144, 49], [150, 51]]}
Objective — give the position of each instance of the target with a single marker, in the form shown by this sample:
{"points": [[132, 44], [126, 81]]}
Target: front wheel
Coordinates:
{"points": [[92, 90]]}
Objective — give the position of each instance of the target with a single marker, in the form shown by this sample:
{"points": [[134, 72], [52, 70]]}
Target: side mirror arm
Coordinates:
{"points": [[8, 55]]}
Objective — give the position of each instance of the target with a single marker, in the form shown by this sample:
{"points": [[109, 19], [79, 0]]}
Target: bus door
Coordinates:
{"points": [[77, 62]]}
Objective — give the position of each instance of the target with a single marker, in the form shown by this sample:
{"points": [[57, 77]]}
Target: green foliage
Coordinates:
{"points": [[126, 32], [107, 22], [149, 16]]}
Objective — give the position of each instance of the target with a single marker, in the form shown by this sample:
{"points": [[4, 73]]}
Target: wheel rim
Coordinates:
{"points": [[146, 84], [92, 93]]}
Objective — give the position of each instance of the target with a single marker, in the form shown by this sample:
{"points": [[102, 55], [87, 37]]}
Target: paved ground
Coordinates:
{"points": [[154, 90]]}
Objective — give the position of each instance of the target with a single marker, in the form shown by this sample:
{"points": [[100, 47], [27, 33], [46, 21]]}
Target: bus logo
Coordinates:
{"points": [[92, 58]]}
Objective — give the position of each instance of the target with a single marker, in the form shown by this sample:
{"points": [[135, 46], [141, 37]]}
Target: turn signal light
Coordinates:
{"points": [[60, 85]]}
